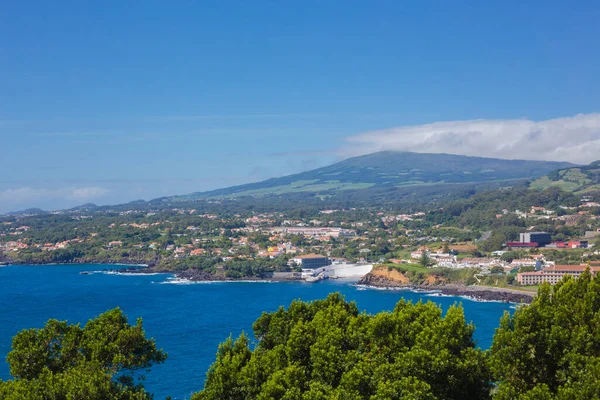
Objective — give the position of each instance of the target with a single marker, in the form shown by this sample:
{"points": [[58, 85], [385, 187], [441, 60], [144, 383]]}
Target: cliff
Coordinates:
{"points": [[392, 278]]}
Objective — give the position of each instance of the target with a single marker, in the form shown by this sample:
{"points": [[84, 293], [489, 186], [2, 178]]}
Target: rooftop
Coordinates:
{"points": [[311, 256]]}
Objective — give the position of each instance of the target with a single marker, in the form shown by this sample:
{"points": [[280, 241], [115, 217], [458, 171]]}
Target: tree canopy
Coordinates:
{"points": [[103, 360], [551, 349], [328, 350]]}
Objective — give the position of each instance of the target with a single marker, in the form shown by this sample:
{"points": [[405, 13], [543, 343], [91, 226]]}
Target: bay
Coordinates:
{"points": [[188, 321]]}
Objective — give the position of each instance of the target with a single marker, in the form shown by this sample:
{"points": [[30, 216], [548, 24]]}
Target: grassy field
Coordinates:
{"points": [[545, 182], [303, 186], [407, 267], [532, 288], [502, 284], [570, 180]]}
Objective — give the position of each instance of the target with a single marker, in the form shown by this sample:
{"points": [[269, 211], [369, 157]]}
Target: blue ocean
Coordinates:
{"points": [[187, 320]]}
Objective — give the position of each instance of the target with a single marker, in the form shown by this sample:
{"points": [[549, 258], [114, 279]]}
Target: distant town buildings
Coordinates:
{"points": [[312, 231], [553, 274]]}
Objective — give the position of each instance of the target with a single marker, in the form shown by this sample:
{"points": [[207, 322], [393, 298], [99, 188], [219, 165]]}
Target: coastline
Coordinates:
{"points": [[475, 292], [135, 267], [203, 276], [480, 293]]}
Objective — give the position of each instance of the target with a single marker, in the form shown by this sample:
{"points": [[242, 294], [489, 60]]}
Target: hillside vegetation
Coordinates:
{"points": [[388, 169], [580, 180]]}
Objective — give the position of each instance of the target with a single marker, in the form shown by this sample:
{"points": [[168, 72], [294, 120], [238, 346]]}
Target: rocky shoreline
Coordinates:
{"points": [[391, 281], [484, 293], [200, 275]]}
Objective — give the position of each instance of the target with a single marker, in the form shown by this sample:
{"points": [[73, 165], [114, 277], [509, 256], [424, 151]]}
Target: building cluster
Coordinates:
{"points": [[356, 235], [312, 232], [542, 213], [391, 219], [552, 274], [544, 239], [15, 246], [448, 260]]}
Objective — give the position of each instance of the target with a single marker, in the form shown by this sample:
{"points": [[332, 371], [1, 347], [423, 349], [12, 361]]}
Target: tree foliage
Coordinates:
{"points": [[328, 350], [551, 348], [103, 360]]}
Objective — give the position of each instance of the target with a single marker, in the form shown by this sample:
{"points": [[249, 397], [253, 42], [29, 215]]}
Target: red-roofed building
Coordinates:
{"points": [[553, 274]]}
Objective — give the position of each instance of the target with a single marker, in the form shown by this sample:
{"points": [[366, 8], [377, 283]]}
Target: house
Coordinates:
{"points": [[416, 255], [590, 204], [477, 262], [525, 262], [448, 261]]}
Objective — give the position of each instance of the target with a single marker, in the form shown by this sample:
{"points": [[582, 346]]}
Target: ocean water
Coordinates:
{"points": [[188, 321]]}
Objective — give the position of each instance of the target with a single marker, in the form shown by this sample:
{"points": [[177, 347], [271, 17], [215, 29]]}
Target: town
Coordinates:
{"points": [[509, 248]]}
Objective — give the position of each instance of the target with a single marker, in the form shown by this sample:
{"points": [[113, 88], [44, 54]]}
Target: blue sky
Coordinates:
{"points": [[112, 101]]}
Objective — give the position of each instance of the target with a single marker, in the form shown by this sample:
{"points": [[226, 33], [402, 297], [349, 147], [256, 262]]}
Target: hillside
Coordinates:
{"points": [[389, 169], [581, 179]]}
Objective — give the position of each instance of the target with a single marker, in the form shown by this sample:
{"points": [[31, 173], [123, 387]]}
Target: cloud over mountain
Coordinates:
{"points": [[575, 139]]}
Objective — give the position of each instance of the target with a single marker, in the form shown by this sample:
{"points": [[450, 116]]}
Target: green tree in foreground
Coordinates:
{"points": [[328, 350], [551, 348], [102, 360], [425, 260]]}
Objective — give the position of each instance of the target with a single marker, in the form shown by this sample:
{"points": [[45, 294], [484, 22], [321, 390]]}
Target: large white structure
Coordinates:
{"points": [[340, 270]]}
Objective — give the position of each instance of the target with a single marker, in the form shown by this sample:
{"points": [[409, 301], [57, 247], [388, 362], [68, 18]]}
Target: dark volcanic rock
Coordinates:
{"points": [[486, 293]]}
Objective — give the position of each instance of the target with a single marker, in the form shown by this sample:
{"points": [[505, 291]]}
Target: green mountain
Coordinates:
{"points": [[388, 169], [580, 179]]}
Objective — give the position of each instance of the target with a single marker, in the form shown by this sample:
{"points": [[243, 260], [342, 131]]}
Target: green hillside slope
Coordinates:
{"points": [[575, 179], [389, 169]]}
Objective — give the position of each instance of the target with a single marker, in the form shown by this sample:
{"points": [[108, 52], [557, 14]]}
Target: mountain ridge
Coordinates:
{"points": [[384, 178], [390, 169]]}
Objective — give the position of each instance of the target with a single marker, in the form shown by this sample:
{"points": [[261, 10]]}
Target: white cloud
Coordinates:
{"points": [[575, 139]]}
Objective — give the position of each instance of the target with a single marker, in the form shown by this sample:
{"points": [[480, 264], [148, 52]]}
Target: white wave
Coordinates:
{"points": [[185, 281], [93, 272], [369, 287], [141, 274], [439, 294], [473, 298], [113, 272], [181, 281]]}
